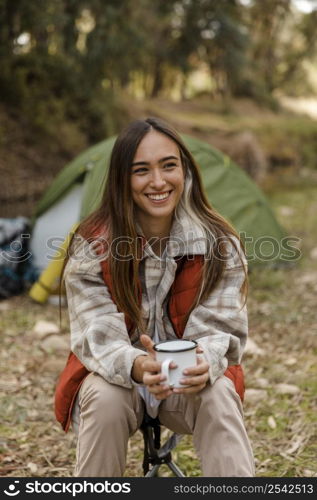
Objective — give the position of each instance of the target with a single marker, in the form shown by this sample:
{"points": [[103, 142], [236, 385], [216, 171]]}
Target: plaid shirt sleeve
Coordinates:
{"points": [[220, 323], [99, 336]]}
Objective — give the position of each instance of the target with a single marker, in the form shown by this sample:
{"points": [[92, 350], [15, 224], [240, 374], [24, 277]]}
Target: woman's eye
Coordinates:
{"points": [[170, 165], [139, 170]]}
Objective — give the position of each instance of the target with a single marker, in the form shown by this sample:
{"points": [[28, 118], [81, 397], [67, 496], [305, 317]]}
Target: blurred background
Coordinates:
{"points": [[238, 74]]}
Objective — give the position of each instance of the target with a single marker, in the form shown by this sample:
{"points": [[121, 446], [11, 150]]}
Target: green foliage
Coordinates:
{"points": [[293, 139], [69, 59], [48, 80]]}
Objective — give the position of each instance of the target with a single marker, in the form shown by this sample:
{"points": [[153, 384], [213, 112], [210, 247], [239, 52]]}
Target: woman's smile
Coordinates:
{"points": [[159, 198]]}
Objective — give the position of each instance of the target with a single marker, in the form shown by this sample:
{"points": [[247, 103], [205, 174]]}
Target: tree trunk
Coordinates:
{"points": [[158, 79]]}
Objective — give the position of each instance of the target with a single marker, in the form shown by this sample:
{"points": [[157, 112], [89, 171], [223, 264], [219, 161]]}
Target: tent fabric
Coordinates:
{"points": [[229, 189], [53, 225], [83, 168]]}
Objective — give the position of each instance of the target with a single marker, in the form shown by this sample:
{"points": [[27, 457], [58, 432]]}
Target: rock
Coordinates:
{"points": [[309, 473], [287, 389], [309, 277], [262, 383], [33, 414], [5, 306], [286, 211], [265, 308], [54, 300], [43, 328], [313, 253], [253, 396], [55, 343], [54, 365], [252, 349], [290, 362]]}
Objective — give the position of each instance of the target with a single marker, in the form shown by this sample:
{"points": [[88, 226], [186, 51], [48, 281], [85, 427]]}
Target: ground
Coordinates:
{"points": [[280, 419]]}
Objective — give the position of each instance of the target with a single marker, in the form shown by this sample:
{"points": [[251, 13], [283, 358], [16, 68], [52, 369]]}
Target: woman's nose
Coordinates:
{"points": [[157, 179]]}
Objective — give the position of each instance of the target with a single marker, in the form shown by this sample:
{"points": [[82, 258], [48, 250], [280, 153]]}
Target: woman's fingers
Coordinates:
{"points": [[197, 380], [156, 386], [154, 380], [151, 365], [163, 394], [150, 379], [189, 390], [159, 390], [199, 369], [154, 367], [148, 343]]}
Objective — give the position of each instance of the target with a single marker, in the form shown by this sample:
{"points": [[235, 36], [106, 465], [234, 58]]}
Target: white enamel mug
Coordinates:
{"points": [[182, 353]]}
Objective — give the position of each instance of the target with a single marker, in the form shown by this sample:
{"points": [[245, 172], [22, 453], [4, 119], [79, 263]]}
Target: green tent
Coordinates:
{"points": [[77, 190]]}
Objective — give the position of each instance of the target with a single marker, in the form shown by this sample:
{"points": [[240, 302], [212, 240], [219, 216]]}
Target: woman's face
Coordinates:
{"points": [[157, 179]]}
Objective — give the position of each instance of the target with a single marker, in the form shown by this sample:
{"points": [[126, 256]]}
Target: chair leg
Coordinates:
{"points": [[156, 455], [154, 471], [171, 465], [175, 469]]}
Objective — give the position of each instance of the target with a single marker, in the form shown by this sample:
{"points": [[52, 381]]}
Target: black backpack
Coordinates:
{"points": [[16, 268]]}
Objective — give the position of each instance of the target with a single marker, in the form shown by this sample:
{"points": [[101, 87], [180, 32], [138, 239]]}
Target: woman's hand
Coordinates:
{"points": [[148, 370], [195, 377]]}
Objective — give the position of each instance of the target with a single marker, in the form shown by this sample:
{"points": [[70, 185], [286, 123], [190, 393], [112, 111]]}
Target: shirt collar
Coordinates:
{"points": [[186, 238]]}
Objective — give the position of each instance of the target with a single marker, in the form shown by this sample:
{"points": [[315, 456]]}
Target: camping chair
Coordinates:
{"points": [[156, 455]]}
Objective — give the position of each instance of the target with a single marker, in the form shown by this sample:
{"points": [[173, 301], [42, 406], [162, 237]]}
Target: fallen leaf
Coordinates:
{"points": [[271, 422], [33, 467], [295, 445]]}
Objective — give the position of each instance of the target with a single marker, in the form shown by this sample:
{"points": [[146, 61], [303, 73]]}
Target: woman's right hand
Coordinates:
{"points": [[148, 370]]}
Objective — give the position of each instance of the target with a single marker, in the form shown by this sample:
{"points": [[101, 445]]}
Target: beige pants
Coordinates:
{"points": [[106, 415]]}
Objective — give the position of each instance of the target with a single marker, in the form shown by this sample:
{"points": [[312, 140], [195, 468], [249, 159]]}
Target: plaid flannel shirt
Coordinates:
{"points": [[99, 336]]}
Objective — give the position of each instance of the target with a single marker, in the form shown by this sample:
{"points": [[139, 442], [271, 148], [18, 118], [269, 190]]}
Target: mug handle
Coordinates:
{"points": [[165, 370]]}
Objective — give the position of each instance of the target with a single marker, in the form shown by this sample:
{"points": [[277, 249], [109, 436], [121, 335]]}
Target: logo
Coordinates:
{"points": [[12, 491]]}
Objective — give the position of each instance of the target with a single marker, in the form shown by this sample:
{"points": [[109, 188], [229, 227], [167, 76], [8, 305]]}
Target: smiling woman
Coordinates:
{"points": [[155, 262]]}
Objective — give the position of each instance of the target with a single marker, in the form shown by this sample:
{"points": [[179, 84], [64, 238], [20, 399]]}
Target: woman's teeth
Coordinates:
{"points": [[158, 196]]}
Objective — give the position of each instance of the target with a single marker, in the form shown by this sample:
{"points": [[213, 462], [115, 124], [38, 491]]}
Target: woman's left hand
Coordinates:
{"points": [[195, 378]]}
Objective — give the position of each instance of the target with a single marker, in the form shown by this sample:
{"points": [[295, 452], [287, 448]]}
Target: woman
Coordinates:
{"points": [[154, 262]]}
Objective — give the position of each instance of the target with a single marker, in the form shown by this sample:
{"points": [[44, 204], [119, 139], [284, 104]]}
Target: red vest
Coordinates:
{"points": [[182, 295]]}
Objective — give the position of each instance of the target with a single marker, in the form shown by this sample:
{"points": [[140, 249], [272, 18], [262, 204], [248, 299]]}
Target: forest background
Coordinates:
{"points": [[239, 74]]}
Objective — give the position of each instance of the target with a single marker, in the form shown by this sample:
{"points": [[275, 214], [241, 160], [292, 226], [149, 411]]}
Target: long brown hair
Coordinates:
{"points": [[115, 218]]}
